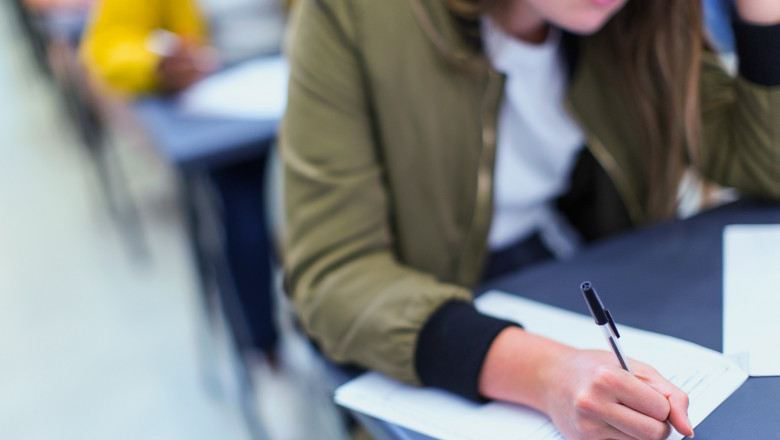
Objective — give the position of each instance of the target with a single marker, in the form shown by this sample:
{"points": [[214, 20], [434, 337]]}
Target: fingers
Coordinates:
{"points": [[644, 403], [644, 417], [641, 397], [678, 416], [186, 64], [678, 400], [602, 430], [598, 400], [632, 392], [199, 57], [635, 424], [177, 73]]}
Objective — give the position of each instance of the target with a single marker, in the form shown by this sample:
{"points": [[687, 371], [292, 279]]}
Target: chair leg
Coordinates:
{"points": [[190, 197], [211, 268], [100, 151], [120, 201], [239, 334], [234, 315], [247, 399]]}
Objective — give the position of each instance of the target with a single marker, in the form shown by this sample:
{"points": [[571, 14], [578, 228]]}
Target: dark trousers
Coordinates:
{"points": [[248, 247]]}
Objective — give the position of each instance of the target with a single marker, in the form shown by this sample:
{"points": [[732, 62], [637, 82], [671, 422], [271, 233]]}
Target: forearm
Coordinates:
{"points": [[741, 145], [120, 60], [368, 312], [763, 12], [114, 45], [515, 365]]}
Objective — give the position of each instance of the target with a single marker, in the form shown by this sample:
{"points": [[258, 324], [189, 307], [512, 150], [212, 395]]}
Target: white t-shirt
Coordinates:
{"points": [[537, 142]]}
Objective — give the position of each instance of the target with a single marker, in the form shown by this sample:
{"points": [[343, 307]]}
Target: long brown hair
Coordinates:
{"points": [[655, 47]]}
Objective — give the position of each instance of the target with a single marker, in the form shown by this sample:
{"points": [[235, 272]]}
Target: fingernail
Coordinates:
{"points": [[692, 434]]}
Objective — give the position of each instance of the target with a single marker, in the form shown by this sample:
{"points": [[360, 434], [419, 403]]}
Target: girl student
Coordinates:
{"points": [[432, 144]]}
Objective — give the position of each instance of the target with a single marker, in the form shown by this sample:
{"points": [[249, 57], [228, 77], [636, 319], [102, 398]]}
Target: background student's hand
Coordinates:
{"points": [[187, 64], [585, 392]]}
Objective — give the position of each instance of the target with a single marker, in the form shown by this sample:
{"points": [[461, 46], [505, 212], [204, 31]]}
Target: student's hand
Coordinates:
{"points": [[763, 12], [185, 66], [585, 392], [590, 397]]}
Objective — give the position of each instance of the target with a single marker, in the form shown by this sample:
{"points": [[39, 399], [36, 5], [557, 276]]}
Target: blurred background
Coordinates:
{"points": [[139, 285], [123, 296]]}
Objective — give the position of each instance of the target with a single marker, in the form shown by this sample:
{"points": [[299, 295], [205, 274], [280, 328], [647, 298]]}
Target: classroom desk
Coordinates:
{"points": [[194, 146], [667, 279], [194, 143]]}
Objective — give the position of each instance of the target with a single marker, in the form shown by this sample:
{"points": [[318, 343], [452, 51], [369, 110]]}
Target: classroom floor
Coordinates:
{"points": [[94, 342]]}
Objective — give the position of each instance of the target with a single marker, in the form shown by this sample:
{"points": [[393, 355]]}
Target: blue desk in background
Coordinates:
{"points": [[666, 279], [193, 142], [229, 117]]}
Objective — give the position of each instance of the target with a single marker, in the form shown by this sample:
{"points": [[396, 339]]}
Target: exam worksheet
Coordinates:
{"points": [[707, 376]]}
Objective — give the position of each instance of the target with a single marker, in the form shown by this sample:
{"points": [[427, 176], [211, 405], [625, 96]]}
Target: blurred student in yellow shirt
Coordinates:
{"points": [[144, 46], [164, 46]]}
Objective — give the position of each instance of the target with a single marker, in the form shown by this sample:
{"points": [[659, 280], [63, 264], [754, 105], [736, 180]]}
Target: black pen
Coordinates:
{"points": [[604, 320]]}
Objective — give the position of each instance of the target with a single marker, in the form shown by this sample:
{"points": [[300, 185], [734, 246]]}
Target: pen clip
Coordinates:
{"points": [[611, 323]]}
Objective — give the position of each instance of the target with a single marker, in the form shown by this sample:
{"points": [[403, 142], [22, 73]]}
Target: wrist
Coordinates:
{"points": [[518, 367], [760, 12]]}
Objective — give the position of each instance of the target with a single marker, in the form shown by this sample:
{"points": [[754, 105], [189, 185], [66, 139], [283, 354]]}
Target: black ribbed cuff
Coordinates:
{"points": [[452, 347], [758, 50]]}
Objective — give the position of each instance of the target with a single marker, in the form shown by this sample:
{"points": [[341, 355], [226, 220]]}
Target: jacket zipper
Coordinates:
{"points": [[481, 217]]}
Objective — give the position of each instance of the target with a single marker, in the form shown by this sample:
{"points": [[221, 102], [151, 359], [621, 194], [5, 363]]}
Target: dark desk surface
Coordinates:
{"points": [[192, 142], [666, 279]]}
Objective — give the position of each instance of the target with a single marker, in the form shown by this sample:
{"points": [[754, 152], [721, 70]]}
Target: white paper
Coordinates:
{"points": [[254, 89], [751, 297], [707, 376]]}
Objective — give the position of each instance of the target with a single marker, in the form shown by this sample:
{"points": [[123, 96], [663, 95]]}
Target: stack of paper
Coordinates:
{"points": [[751, 297], [707, 376], [255, 89]]}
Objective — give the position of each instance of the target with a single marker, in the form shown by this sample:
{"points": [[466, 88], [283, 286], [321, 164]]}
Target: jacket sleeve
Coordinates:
{"points": [[114, 48], [741, 116], [354, 298]]}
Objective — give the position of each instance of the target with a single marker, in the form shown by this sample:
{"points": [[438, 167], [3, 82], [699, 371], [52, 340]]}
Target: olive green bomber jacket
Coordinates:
{"points": [[388, 146]]}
